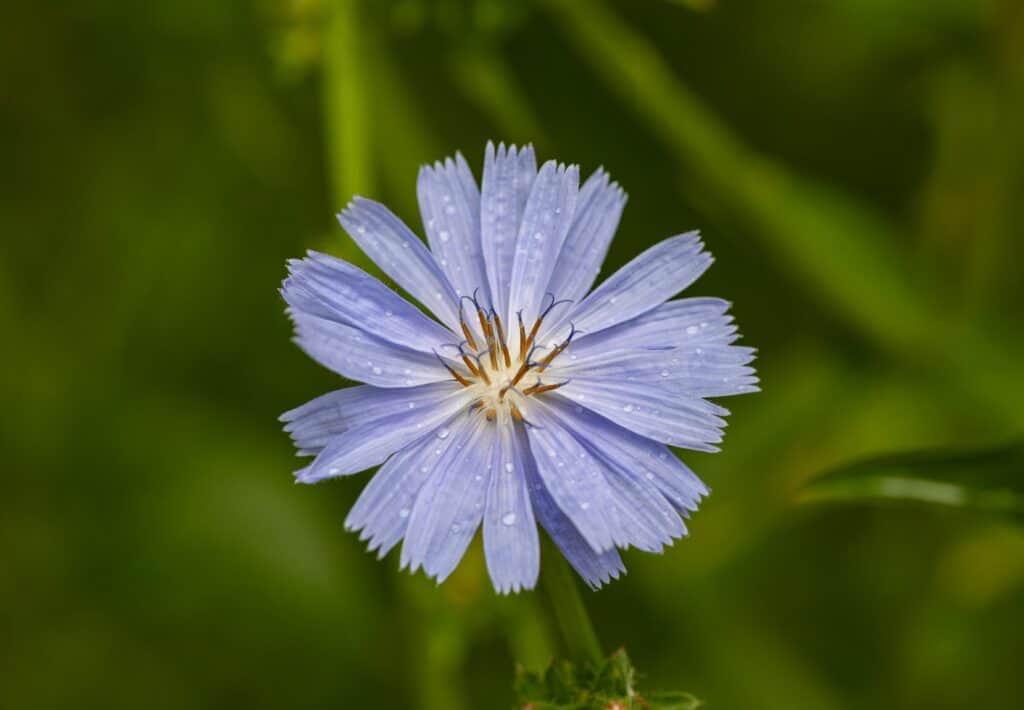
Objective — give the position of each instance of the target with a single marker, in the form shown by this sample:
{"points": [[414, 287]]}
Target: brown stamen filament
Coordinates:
{"points": [[501, 339]]}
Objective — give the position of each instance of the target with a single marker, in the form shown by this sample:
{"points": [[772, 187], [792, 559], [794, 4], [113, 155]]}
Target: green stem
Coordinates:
{"points": [[567, 606]]}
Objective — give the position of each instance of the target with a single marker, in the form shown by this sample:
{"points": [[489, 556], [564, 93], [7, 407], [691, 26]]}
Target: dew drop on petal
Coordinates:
{"points": [[584, 505], [443, 235], [628, 408], [509, 519], [377, 371], [692, 330], [509, 467], [333, 470], [403, 513], [442, 434]]}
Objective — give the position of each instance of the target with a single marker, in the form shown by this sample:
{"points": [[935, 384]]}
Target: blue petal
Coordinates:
{"points": [[651, 411], [632, 452], [450, 505], [575, 480], [546, 220], [685, 322], [450, 206], [363, 357], [598, 210], [337, 290], [638, 513], [401, 255], [383, 509], [507, 180], [370, 443], [644, 283], [314, 424], [511, 545], [596, 568]]}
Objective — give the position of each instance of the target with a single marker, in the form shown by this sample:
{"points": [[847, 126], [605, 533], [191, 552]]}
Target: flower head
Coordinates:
{"points": [[530, 399]]}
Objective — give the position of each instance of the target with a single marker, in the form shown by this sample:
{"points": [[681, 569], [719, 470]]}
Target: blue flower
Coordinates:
{"points": [[530, 399]]}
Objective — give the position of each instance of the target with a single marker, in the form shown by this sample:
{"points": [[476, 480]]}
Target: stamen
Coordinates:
{"points": [[467, 333], [501, 338], [489, 334], [540, 389], [458, 378], [558, 349], [516, 414], [491, 414], [462, 321], [522, 334], [478, 370]]}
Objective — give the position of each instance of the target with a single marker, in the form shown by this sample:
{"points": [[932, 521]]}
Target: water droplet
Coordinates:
{"points": [[478, 477], [377, 371], [613, 299], [664, 373], [406, 245], [443, 434], [628, 408], [412, 405], [388, 313], [509, 519], [361, 229], [456, 527], [403, 513], [333, 470], [509, 467], [692, 330], [443, 235], [538, 236], [450, 209], [584, 505], [650, 476]]}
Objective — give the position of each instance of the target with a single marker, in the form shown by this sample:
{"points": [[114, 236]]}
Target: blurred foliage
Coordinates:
{"points": [[987, 480], [856, 166]]}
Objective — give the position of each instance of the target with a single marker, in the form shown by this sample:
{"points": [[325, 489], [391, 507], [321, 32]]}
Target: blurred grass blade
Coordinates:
{"points": [[843, 251], [991, 480], [485, 78], [346, 102]]}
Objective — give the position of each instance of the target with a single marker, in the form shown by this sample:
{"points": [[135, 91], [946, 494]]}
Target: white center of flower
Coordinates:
{"points": [[500, 378]]}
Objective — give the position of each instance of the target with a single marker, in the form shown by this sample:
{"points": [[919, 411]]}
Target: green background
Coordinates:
{"points": [[856, 166]]}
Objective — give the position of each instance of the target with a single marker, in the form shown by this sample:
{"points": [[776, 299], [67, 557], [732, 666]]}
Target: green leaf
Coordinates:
{"points": [[991, 480], [586, 686]]}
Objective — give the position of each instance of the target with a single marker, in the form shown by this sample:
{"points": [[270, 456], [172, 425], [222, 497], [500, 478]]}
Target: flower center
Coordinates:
{"points": [[500, 376]]}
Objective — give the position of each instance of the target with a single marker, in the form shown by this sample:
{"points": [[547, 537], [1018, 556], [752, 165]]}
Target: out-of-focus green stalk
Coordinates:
{"points": [[570, 614], [346, 106], [487, 80], [844, 251]]}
